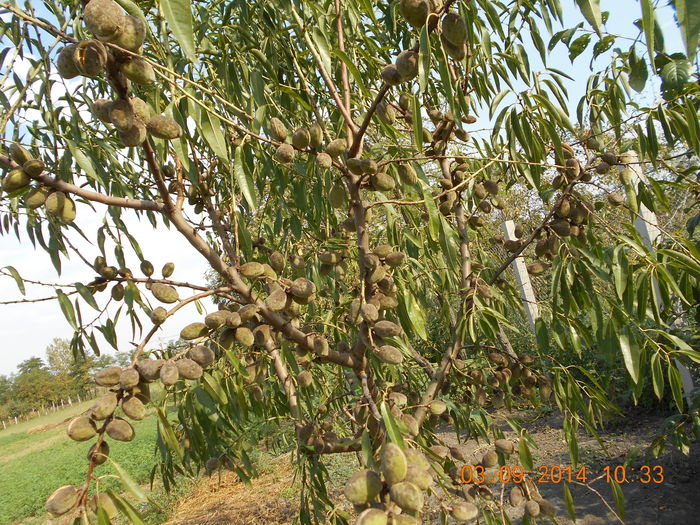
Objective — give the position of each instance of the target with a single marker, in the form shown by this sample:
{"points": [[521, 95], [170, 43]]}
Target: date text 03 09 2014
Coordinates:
{"points": [[557, 474]]}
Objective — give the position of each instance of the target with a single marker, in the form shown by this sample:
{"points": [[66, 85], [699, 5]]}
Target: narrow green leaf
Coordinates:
{"points": [[630, 354], [423, 63], [433, 217], [178, 14], [620, 270], [619, 498], [542, 335], [525, 455], [591, 11], [675, 74], [496, 101], [86, 295], [213, 388], [676, 383], [323, 47], [414, 314], [578, 46], [84, 162], [129, 483], [67, 308], [638, 72], [391, 425], [417, 123], [648, 25], [357, 76], [211, 127], [17, 278], [657, 376], [126, 509], [243, 180], [168, 434], [102, 517], [569, 501]]}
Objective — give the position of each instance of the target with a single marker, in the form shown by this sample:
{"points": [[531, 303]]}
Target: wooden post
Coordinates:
{"points": [[647, 224], [527, 294]]}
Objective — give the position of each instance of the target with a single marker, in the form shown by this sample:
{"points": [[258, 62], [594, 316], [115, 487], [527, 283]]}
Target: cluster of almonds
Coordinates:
{"points": [[375, 177], [445, 124], [130, 116], [395, 494], [302, 139], [401, 396], [404, 69], [128, 388], [65, 498], [107, 273], [453, 37], [318, 436], [504, 373], [380, 299], [484, 194], [572, 213], [243, 325], [55, 203], [479, 491]]}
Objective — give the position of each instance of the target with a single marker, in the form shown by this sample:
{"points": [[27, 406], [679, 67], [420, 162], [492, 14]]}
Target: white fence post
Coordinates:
{"points": [[647, 225], [527, 294]]}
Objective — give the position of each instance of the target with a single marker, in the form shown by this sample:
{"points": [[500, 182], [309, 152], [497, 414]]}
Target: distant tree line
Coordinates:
{"points": [[40, 382]]}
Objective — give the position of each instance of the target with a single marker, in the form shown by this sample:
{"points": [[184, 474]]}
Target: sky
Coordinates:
{"points": [[28, 328]]}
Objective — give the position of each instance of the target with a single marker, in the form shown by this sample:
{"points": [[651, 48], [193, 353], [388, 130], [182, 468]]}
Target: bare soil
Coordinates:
{"points": [[675, 501]]}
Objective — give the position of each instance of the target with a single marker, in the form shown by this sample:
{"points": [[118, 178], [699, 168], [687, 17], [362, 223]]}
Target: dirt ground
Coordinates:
{"points": [[675, 501]]}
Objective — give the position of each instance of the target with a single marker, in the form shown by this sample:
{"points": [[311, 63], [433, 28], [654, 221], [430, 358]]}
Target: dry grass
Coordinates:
{"points": [[227, 501]]}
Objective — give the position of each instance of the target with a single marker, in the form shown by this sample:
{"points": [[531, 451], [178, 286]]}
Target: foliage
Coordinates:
{"points": [[363, 292]]}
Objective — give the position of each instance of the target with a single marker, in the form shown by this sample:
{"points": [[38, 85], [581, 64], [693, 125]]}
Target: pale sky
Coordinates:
{"points": [[28, 328]]}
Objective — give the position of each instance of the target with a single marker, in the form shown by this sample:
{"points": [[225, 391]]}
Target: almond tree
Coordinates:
{"points": [[336, 164]]}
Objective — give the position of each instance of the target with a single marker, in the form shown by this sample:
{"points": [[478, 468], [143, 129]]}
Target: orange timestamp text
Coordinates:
{"points": [[558, 474]]}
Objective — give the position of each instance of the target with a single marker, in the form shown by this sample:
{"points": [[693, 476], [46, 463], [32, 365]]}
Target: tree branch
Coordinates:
{"points": [[324, 73], [343, 68], [92, 196], [465, 272]]}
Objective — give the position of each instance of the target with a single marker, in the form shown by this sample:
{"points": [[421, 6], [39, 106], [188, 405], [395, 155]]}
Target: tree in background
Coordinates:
{"points": [[39, 384], [336, 163]]}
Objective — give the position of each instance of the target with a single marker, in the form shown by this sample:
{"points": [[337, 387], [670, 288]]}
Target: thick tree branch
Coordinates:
{"points": [[358, 138], [231, 275], [285, 380]]}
